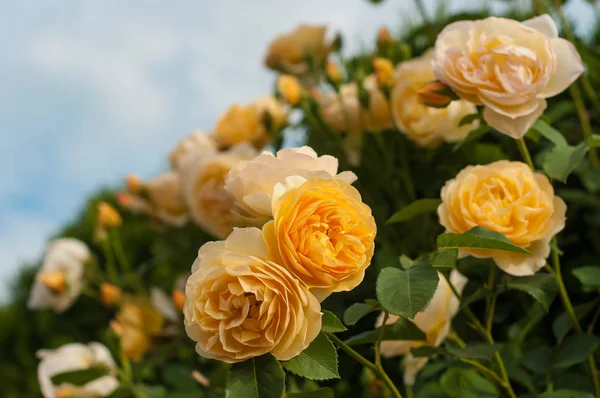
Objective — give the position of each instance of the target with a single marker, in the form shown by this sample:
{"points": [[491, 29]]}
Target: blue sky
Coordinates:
{"points": [[91, 90]]}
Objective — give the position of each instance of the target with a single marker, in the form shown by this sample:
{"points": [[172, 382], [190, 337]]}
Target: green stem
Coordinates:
{"points": [[409, 391], [111, 270], [366, 363], [379, 340], [484, 370], [525, 152], [491, 302], [405, 170], [422, 11], [124, 262]]}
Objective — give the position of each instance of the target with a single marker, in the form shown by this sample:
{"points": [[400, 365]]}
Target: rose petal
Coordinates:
{"points": [[515, 128], [568, 67]]}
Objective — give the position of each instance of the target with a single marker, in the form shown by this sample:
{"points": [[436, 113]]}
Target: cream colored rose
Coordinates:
{"points": [[165, 193], [276, 110], [426, 125], [61, 277], [508, 66], [189, 146], [203, 183], [252, 182], [322, 232], [342, 113], [435, 320], [292, 51], [241, 305], [73, 357], [509, 198]]}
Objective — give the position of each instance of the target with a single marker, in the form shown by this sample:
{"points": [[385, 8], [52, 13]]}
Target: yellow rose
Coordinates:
{"points": [[166, 196], [322, 232], [509, 198], [334, 112], [425, 125], [203, 182], [289, 52], [435, 321], [252, 182], [289, 88], [377, 116], [138, 322], [241, 305], [197, 142], [508, 66]]}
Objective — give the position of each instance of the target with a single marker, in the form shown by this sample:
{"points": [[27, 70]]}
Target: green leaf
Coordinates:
{"points": [[358, 310], [538, 360], [563, 159], [318, 361], [405, 293], [81, 376], [260, 377], [426, 351], [562, 324], [478, 238], [468, 119], [473, 135], [549, 132], [324, 392], [474, 350], [331, 324], [147, 391], [573, 350], [565, 394], [414, 209], [466, 383], [444, 259], [402, 329], [179, 376], [588, 275], [477, 295], [542, 287], [406, 262]]}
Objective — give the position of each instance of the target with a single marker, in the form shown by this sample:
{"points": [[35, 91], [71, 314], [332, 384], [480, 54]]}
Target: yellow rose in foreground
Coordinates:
{"points": [[425, 125], [136, 324], [165, 194], [435, 320], [322, 232], [509, 198], [508, 66], [189, 146], [204, 191], [289, 52], [241, 305], [252, 182]]}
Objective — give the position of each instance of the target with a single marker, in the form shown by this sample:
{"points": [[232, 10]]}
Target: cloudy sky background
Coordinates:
{"points": [[91, 90]]}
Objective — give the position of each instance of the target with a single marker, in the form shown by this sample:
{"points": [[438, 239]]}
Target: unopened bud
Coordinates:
{"points": [[111, 295], [201, 379], [108, 216], [55, 281], [289, 88], [178, 299], [384, 72], [384, 38], [133, 183], [334, 75], [116, 327], [436, 94]]}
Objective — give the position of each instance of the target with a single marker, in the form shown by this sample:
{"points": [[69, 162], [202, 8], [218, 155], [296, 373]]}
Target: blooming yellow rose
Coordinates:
{"points": [[136, 324], [252, 182], [204, 191], [377, 116], [435, 321], [241, 305], [509, 198], [289, 52], [322, 232], [189, 146], [425, 125], [246, 123], [508, 66], [167, 199]]}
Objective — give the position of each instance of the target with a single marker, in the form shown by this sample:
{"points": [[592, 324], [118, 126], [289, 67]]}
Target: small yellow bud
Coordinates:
{"points": [[178, 299], [111, 295], [55, 281], [384, 71], [290, 89], [435, 94], [116, 327], [384, 37], [201, 379], [108, 216], [134, 183], [333, 73]]}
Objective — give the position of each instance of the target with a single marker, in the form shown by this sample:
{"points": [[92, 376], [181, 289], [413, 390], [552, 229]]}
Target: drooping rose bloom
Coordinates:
{"points": [[509, 198], [241, 305]]}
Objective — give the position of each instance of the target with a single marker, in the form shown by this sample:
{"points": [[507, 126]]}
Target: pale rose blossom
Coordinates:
{"points": [[64, 262], [240, 304], [509, 198], [136, 324], [508, 66], [165, 194], [435, 321], [189, 146], [322, 232], [73, 357], [252, 182], [203, 182], [426, 125], [333, 108], [378, 115]]}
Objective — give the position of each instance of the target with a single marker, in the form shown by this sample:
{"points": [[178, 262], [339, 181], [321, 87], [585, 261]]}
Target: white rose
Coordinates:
{"points": [[252, 182], [72, 357], [165, 194], [508, 66]]}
